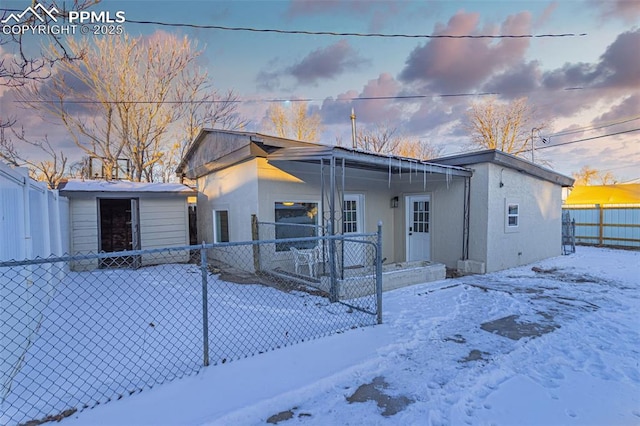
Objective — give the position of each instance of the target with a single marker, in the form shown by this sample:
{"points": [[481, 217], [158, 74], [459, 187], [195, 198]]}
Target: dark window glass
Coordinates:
{"points": [[296, 220]]}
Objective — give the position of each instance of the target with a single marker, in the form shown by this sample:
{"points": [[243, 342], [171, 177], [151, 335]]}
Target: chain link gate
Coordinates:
{"points": [[80, 331]]}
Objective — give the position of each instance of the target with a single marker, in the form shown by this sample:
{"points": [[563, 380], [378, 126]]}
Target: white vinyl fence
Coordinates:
{"points": [[34, 223]]}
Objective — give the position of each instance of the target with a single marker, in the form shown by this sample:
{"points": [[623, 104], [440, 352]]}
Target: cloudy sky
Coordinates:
{"points": [[587, 85]]}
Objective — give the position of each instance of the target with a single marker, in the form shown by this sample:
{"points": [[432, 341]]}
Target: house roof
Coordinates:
{"points": [[605, 194], [78, 185], [266, 140], [366, 160], [507, 160], [233, 147]]}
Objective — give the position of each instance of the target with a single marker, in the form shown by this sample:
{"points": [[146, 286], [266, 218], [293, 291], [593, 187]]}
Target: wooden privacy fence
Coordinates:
{"points": [[33, 224], [616, 225]]}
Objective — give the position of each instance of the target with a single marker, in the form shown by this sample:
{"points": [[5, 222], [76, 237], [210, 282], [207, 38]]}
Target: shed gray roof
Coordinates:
{"points": [[506, 160], [119, 186]]}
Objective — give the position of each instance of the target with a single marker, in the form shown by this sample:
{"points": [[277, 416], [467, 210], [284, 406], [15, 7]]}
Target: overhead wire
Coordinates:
{"points": [[594, 127], [351, 34], [270, 100], [336, 33], [587, 139]]}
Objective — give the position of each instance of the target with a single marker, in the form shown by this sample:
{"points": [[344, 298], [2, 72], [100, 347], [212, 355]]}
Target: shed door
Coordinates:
{"points": [[119, 230], [418, 223]]}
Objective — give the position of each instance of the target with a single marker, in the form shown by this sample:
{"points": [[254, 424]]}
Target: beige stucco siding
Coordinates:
{"points": [[301, 182], [446, 216], [479, 218], [234, 189], [538, 234]]}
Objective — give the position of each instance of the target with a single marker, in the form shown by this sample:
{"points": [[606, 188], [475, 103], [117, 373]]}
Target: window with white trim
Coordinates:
{"points": [[220, 226], [513, 215]]}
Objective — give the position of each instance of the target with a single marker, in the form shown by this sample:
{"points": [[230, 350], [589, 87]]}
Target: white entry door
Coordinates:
{"points": [[418, 208], [353, 223]]}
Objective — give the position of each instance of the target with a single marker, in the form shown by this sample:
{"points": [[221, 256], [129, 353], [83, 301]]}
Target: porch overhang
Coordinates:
{"points": [[363, 160]]}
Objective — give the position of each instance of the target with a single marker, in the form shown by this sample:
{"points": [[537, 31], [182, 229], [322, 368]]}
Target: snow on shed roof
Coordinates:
{"points": [[77, 185]]}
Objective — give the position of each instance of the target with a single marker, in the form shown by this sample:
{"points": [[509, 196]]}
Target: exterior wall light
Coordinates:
{"points": [[394, 202]]}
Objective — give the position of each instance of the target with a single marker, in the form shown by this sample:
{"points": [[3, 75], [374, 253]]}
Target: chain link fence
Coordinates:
{"points": [[81, 331]]}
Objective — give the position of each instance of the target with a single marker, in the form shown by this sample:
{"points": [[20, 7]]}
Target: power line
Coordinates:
{"points": [[587, 139], [339, 34], [351, 34], [269, 100], [602, 126]]}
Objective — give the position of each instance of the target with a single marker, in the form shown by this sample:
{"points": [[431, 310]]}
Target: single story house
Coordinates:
{"points": [[442, 211], [113, 216]]}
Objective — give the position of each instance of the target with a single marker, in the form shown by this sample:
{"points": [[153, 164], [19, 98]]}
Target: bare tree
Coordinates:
{"points": [[508, 127], [205, 108], [590, 176], [294, 122], [385, 139], [22, 67], [52, 170], [19, 67], [129, 97], [420, 150], [381, 139]]}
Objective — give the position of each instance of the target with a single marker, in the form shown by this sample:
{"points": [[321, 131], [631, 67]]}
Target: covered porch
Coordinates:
{"points": [[423, 207]]}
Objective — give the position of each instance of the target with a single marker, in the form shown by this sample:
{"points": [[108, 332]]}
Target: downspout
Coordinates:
{"points": [[332, 242], [322, 214], [342, 223], [322, 195], [466, 218], [332, 194]]}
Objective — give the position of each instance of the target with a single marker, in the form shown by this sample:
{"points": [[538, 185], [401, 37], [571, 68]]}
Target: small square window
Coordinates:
{"points": [[512, 215]]}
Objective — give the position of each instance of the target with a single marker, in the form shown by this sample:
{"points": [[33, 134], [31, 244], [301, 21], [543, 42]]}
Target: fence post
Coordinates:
{"points": [[205, 305], [255, 236], [332, 265], [600, 224], [379, 274]]}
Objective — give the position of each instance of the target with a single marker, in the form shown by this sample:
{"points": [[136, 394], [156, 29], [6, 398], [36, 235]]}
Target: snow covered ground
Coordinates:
{"points": [[556, 342]]}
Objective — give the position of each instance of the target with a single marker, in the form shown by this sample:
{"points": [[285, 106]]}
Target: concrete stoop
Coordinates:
{"points": [[358, 283]]}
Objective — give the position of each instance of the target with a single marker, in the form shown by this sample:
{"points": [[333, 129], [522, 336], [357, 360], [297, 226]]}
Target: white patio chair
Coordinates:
{"points": [[309, 257]]}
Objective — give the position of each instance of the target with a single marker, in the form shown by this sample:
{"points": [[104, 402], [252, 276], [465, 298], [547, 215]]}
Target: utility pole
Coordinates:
{"points": [[533, 148], [354, 145]]}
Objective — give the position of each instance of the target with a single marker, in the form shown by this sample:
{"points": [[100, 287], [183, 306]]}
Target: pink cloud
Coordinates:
{"points": [[326, 63], [367, 110], [617, 70], [626, 10], [453, 65]]}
